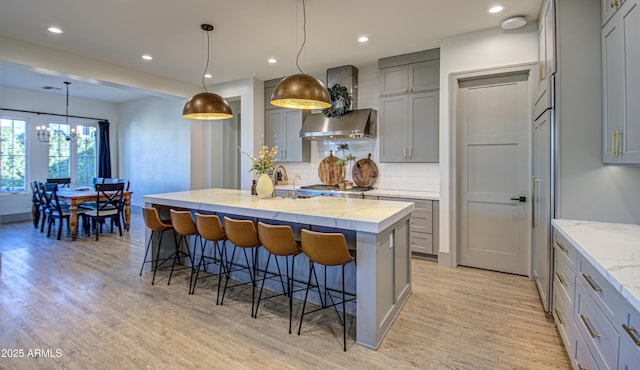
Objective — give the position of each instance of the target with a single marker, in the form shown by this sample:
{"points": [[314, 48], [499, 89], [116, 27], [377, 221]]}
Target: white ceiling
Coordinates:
{"points": [[247, 33]]}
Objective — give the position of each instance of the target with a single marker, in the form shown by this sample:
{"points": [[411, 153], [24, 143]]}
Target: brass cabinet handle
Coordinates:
{"points": [[405, 89], [561, 278], [411, 89], [559, 314], [589, 280], [620, 133], [587, 322], [562, 247], [410, 152], [580, 367], [633, 333], [541, 71], [404, 153], [613, 143], [615, 3]]}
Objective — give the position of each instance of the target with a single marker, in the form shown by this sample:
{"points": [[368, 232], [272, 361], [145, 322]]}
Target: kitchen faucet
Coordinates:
{"points": [[292, 194]]}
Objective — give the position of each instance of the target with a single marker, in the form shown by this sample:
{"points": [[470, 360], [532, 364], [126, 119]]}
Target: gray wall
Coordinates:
{"points": [[587, 189]]}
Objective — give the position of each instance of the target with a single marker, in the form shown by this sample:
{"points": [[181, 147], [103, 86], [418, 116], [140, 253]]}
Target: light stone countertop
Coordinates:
{"points": [[613, 249], [428, 195], [345, 213], [414, 194]]}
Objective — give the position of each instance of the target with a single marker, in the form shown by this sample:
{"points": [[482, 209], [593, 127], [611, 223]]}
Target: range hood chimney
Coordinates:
{"points": [[357, 123]]}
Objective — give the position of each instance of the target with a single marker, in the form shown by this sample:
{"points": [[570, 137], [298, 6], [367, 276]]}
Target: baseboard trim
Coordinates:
{"points": [[16, 217]]}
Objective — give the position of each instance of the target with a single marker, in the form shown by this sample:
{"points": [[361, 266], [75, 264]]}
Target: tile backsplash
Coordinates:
{"points": [[396, 176]]}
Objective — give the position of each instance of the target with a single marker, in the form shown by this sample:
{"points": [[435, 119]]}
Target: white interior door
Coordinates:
{"points": [[493, 172]]}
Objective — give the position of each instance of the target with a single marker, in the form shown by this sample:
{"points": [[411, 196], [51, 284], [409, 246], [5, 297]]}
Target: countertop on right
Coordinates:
{"points": [[613, 249], [414, 194]]}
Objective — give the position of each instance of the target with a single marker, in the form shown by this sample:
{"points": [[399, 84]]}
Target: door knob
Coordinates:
{"points": [[520, 199]]}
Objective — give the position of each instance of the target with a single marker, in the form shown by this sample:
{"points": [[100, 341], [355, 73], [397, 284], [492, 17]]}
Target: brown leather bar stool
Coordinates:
{"points": [[184, 226], [278, 240], [327, 249], [210, 229], [153, 222], [243, 234]]}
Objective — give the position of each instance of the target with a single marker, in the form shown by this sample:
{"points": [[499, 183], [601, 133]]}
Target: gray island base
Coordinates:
{"points": [[377, 230]]}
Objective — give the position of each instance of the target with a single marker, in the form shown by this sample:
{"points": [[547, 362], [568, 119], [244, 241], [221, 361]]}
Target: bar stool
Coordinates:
{"points": [[278, 240], [184, 226], [210, 229], [327, 249], [243, 234], [153, 222]]}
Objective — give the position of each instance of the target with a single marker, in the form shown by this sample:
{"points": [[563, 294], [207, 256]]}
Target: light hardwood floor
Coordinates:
{"points": [[84, 301]]}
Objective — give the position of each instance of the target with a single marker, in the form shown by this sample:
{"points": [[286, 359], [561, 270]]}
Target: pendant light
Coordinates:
{"points": [[301, 91], [206, 105]]}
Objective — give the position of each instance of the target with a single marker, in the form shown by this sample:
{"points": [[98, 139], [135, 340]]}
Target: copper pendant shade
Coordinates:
{"points": [[301, 91], [206, 105]]}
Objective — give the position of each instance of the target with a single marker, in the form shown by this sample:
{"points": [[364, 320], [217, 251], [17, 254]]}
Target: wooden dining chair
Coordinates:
{"points": [[56, 210]]}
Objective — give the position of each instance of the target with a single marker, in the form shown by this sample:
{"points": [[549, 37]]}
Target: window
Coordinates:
{"points": [[72, 158], [13, 151]]}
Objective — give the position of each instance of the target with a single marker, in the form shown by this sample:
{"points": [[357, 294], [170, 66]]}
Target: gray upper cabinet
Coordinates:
{"points": [[409, 129], [546, 53], [282, 128], [621, 86], [409, 107], [414, 77]]}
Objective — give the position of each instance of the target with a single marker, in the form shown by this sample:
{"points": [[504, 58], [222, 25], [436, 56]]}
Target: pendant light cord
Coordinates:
{"points": [[206, 67], [304, 37]]}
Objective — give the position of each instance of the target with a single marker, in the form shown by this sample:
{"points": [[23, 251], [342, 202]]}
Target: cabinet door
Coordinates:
{"points": [[629, 14], [293, 141], [423, 127], [394, 80], [268, 91], [424, 76], [393, 130], [613, 89], [274, 128]]}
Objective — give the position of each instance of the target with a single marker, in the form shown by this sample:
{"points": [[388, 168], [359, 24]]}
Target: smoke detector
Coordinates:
{"points": [[513, 23]]}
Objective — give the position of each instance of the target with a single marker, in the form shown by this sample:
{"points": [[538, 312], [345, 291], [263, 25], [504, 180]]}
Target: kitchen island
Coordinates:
{"points": [[377, 230]]}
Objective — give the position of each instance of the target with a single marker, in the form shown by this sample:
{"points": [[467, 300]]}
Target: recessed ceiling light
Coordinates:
{"points": [[272, 60], [496, 9], [208, 75], [54, 29], [363, 39], [147, 57]]}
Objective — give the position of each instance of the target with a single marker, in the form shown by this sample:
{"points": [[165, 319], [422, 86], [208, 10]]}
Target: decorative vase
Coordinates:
{"points": [[265, 186]]}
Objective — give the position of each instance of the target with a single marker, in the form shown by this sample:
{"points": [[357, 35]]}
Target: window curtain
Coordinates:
{"points": [[104, 154]]}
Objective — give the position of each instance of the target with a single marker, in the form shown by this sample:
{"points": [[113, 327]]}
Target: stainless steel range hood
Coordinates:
{"points": [[355, 124]]}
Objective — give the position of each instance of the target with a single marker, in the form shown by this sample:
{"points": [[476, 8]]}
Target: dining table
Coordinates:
{"points": [[75, 197]]}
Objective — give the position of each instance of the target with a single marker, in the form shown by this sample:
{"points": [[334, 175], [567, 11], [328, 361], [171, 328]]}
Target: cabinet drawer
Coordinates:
{"points": [[629, 352], [598, 333], [424, 225], [564, 277], [563, 317], [423, 205], [603, 293], [583, 359], [566, 249], [422, 243]]}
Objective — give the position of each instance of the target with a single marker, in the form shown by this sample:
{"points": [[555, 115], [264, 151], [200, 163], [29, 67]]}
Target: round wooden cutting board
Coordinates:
{"points": [[365, 172], [329, 171]]}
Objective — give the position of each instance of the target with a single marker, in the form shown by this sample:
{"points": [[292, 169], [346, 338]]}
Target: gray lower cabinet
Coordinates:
{"points": [[598, 326], [424, 224], [409, 128], [282, 128]]}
